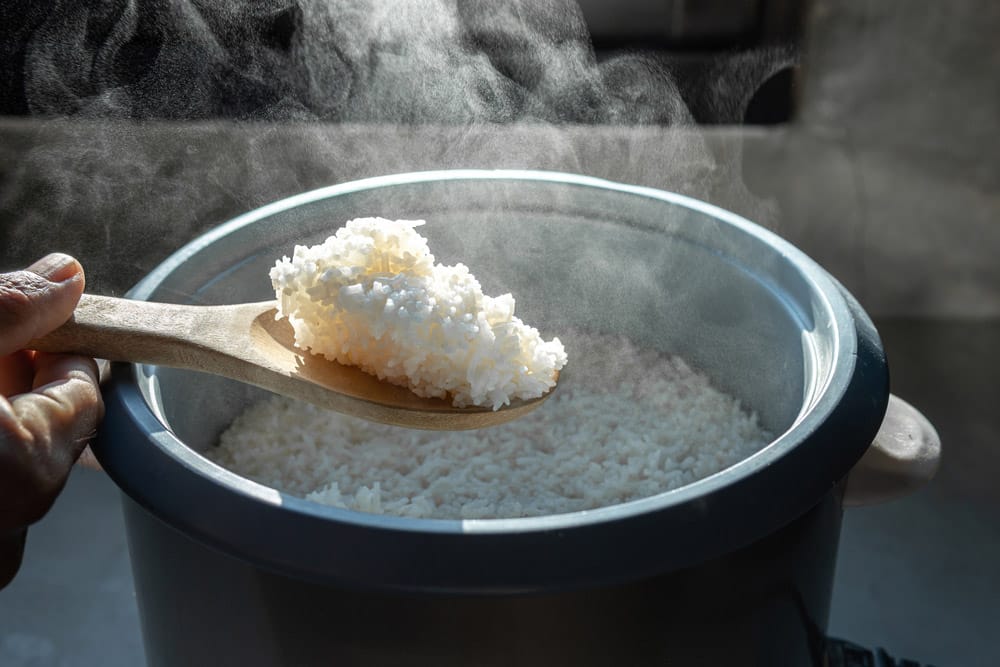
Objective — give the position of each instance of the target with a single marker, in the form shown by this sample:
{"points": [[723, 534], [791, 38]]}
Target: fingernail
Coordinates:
{"points": [[56, 267]]}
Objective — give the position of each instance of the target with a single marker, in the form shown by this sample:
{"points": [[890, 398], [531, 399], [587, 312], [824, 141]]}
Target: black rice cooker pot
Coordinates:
{"points": [[735, 569]]}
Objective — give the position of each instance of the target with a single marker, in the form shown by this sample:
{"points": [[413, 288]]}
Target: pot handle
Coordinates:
{"points": [[903, 457]]}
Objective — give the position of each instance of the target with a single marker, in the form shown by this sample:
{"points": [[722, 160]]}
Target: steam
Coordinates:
{"points": [[323, 91], [367, 60]]}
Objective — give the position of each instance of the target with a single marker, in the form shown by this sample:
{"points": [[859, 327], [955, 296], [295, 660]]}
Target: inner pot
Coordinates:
{"points": [[762, 320]]}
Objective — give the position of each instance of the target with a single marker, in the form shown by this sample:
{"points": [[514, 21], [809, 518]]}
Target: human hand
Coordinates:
{"points": [[50, 404]]}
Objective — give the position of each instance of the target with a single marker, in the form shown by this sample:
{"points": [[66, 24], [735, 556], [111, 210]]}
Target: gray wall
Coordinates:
{"points": [[901, 103]]}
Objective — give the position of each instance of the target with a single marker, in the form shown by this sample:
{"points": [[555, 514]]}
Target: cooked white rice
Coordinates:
{"points": [[372, 296], [624, 423]]}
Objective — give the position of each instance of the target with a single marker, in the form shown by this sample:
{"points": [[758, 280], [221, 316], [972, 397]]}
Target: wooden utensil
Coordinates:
{"points": [[245, 342]]}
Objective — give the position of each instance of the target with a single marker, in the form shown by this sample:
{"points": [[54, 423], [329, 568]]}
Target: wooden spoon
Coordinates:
{"points": [[245, 342]]}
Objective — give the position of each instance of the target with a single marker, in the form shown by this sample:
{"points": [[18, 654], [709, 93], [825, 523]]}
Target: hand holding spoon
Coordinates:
{"points": [[245, 342]]}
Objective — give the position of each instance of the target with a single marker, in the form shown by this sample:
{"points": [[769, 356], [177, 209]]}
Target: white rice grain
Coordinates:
{"points": [[372, 296], [627, 423]]}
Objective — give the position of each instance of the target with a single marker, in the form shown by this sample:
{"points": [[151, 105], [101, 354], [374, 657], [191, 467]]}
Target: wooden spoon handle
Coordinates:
{"points": [[135, 331]]}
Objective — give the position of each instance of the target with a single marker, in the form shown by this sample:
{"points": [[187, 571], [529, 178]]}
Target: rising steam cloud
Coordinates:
{"points": [[321, 91], [355, 60]]}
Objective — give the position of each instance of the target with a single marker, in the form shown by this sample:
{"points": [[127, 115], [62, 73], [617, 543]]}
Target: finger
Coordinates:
{"points": [[42, 433], [17, 371], [88, 460], [51, 367], [65, 384], [36, 301], [11, 553], [54, 367]]}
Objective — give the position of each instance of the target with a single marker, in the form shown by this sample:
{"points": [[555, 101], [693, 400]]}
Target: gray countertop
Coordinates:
{"points": [[908, 232]]}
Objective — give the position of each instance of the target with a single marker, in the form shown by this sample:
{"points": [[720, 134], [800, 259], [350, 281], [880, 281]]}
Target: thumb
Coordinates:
{"points": [[35, 301]]}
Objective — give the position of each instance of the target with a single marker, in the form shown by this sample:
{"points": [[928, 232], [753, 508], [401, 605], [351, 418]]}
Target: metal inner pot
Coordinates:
{"points": [[765, 323]]}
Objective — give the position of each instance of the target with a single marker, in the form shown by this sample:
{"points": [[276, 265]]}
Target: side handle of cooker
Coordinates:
{"points": [[906, 451], [903, 457]]}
